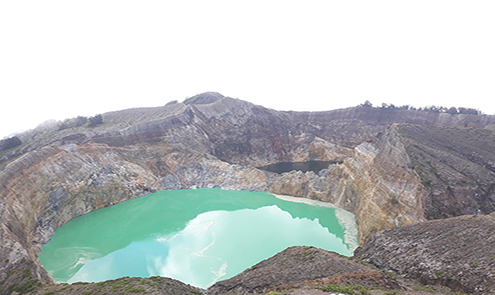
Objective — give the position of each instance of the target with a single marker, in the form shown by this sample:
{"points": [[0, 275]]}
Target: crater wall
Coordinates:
{"points": [[53, 178]]}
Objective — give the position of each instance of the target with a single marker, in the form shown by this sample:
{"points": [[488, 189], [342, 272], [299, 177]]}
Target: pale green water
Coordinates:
{"points": [[196, 236]]}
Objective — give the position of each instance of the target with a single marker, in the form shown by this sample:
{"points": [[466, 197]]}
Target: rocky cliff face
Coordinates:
{"points": [[60, 175], [456, 166], [456, 252]]}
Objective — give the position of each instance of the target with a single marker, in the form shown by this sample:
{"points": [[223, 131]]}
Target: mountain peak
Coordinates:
{"points": [[204, 98]]}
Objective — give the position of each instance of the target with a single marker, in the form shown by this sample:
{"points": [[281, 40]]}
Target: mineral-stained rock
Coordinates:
{"points": [[456, 252]]}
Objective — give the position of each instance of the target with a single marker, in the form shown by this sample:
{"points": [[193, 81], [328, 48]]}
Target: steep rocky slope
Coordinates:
{"points": [[456, 252], [126, 285], [384, 170], [457, 168], [308, 270]]}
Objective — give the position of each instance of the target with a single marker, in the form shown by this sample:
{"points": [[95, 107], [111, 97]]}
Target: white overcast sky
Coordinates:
{"points": [[61, 59]]}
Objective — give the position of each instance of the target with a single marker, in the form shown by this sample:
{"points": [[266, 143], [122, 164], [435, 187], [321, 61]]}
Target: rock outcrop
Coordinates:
{"points": [[455, 252], [126, 285], [293, 265], [308, 270], [56, 175], [456, 167]]}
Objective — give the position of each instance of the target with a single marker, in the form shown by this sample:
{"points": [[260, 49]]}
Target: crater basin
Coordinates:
{"points": [[197, 236]]}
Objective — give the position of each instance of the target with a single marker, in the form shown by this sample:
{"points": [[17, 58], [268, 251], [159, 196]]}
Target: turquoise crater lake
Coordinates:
{"points": [[197, 236]]}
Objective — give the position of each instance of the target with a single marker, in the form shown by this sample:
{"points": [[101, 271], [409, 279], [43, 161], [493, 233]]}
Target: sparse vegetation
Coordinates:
{"points": [[73, 123], [95, 120], [430, 109], [124, 285], [23, 288], [26, 273], [351, 290], [172, 102], [132, 289], [9, 143], [425, 288]]}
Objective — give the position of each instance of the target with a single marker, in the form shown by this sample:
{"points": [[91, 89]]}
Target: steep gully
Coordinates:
{"points": [[377, 153]]}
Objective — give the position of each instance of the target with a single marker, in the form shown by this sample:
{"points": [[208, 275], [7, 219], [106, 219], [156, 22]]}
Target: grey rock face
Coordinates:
{"points": [[295, 264], [456, 252]]}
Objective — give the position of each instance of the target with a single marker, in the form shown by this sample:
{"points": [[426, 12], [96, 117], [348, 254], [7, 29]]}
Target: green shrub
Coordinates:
{"points": [[9, 273], [26, 273], [9, 143], [96, 120], [25, 288]]}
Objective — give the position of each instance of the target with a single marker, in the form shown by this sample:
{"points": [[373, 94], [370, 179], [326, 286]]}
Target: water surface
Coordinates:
{"points": [[315, 166], [196, 236]]}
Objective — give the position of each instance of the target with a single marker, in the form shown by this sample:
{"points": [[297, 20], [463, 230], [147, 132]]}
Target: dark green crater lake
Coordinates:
{"points": [[315, 166], [197, 236]]}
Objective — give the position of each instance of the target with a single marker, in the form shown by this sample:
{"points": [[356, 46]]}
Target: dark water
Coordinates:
{"points": [[315, 166], [196, 236]]}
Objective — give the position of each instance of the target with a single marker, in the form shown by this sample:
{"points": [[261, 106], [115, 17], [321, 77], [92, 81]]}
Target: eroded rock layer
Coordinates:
{"points": [[455, 252]]}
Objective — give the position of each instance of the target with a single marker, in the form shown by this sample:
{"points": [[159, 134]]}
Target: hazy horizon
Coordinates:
{"points": [[64, 59]]}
